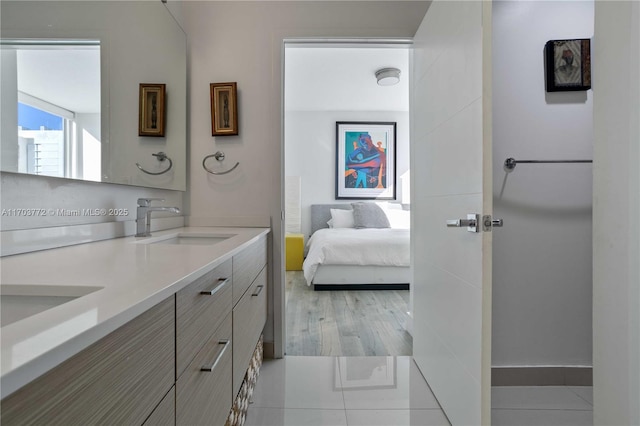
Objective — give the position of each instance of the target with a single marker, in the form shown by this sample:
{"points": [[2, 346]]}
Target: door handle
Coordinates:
{"points": [[210, 368], [221, 283], [259, 288], [471, 223]]}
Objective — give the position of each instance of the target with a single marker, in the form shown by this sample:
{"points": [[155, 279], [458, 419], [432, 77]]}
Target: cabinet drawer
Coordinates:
{"points": [[198, 315], [249, 317], [117, 380], [165, 412], [204, 397], [246, 266]]}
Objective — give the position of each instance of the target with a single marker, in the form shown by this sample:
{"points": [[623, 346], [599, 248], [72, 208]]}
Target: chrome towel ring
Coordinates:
{"points": [[218, 156], [161, 157]]}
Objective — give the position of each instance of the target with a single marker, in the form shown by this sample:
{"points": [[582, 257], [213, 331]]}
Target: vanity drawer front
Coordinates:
{"points": [[204, 397], [165, 412], [249, 318], [199, 315], [246, 266], [118, 380]]}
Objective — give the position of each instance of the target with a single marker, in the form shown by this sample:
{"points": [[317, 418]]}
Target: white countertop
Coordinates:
{"points": [[133, 276]]}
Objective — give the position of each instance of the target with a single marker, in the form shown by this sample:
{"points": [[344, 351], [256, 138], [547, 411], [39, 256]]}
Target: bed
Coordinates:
{"points": [[348, 258]]}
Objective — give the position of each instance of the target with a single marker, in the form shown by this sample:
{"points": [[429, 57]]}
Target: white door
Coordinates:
{"points": [[451, 177]]}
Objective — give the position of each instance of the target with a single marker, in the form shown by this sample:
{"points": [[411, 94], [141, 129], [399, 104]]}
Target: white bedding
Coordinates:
{"points": [[349, 246]]}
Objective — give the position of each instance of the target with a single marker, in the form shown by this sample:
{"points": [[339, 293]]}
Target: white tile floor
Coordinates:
{"points": [[390, 391], [542, 405], [368, 391]]}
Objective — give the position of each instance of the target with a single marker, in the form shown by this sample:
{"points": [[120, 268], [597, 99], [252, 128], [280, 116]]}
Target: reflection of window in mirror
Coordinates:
{"points": [[56, 86]]}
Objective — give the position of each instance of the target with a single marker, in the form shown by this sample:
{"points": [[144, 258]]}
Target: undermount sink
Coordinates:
{"points": [[196, 239], [18, 302]]}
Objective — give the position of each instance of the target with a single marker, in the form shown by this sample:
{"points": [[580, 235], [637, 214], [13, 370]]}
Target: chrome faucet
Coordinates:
{"points": [[143, 215]]}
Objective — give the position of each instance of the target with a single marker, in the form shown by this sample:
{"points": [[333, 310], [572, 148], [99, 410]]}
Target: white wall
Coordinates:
{"points": [[542, 281], [243, 42], [39, 192], [616, 214], [9, 152], [312, 154]]}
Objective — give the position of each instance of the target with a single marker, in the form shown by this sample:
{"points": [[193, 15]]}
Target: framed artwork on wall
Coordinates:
{"points": [[224, 109], [152, 104], [365, 160], [568, 65]]}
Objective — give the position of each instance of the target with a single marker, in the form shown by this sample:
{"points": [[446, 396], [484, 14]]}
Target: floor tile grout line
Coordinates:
{"points": [[344, 402]]}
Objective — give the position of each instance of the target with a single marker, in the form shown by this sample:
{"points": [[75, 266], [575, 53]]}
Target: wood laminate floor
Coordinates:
{"points": [[345, 323]]}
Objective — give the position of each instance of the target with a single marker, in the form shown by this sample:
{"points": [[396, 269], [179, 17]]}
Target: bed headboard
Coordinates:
{"points": [[321, 213]]}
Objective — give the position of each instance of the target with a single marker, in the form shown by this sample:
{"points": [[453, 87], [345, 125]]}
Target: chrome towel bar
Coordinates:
{"points": [[510, 163]]}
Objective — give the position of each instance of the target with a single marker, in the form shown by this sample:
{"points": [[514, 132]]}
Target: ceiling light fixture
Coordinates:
{"points": [[388, 76]]}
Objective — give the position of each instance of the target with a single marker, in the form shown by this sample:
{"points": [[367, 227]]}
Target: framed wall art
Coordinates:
{"points": [[568, 65], [224, 109], [151, 118], [365, 160]]}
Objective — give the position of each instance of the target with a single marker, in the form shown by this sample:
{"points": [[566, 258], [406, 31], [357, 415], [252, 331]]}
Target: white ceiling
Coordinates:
{"points": [[317, 78], [68, 78], [343, 78]]}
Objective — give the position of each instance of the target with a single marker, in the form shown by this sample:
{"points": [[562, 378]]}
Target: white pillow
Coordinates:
{"points": [[399, 219], [341, 218]]}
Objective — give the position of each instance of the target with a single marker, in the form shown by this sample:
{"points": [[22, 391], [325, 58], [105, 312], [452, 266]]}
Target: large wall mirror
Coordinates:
{"points": [[71, 75]]}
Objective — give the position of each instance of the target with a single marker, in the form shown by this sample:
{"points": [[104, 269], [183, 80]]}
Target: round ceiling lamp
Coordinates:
{"points": [[388, 76]]}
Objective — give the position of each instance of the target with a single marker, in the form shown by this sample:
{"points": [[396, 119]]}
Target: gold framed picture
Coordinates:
{"points": [[151, 119], [224, 109]]}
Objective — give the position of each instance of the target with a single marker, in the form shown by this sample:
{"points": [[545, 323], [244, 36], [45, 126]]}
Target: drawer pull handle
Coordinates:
{"points": [[213, 366], [259, 290], [221, 283]]}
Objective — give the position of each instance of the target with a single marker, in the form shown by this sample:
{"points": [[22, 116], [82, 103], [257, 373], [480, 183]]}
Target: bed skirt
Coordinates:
{"points": [[352, 277]]}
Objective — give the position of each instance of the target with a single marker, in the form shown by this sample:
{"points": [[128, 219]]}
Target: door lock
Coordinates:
{"points": [[471, 223], [488, 223]]}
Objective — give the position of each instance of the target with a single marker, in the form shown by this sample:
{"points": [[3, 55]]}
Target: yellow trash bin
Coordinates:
{"points": [[294, 249]]}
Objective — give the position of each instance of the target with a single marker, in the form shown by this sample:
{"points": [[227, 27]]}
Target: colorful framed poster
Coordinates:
{"points": [[365, 160]]}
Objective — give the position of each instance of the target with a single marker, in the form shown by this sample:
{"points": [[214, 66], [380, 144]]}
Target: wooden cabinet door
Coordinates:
{"points": [[200, 309], [165, 412], [118, 380], [203, 391], [249, 317]]}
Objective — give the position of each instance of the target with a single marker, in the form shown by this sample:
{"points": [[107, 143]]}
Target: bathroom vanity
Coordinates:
{"points": [[165, 334]]}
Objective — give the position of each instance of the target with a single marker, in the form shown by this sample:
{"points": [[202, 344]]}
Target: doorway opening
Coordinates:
{"points": [[326, 84]]}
